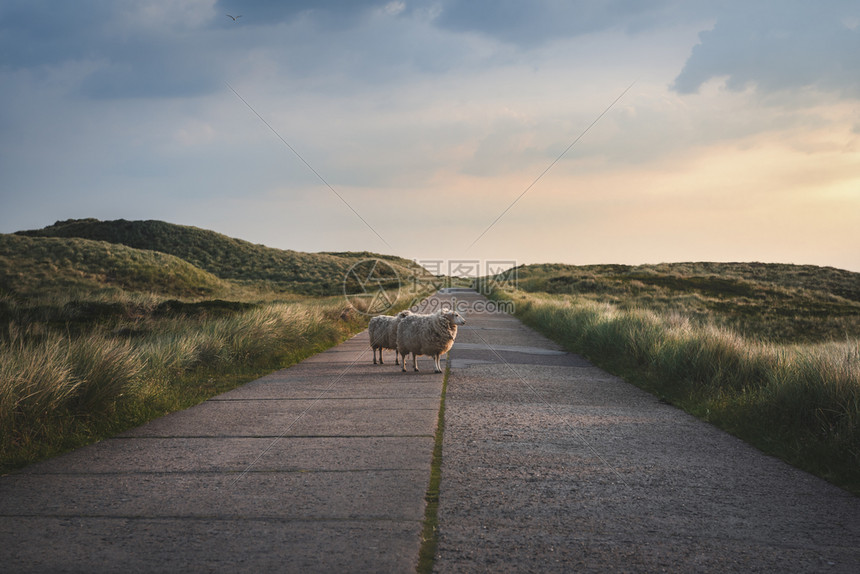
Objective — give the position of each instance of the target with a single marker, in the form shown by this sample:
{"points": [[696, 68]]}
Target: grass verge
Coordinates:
{"points": [[430, 531], [73, 381], [59, 390]]}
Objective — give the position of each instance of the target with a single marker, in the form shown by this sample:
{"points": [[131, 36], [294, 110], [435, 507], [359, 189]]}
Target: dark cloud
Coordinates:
{"points": [[34, 33], [776, 46], [537, 21], [129, 55], [770, 44], [271, 12], [520, 22], [173, 69], [174, 50]]}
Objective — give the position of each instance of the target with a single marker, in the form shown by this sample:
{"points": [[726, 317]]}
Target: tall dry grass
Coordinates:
{"points": [[59, 388], [75, 370], [800, 402]]}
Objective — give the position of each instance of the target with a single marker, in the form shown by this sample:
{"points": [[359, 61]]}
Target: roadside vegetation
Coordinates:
{"points": [[97, 337], [770, 353]]}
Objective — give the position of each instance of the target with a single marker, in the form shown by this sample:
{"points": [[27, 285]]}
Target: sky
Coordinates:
{"points": [[530, 131]]}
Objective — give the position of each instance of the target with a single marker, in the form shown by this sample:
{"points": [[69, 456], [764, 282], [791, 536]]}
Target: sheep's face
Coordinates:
{"points": [[455, 318]]}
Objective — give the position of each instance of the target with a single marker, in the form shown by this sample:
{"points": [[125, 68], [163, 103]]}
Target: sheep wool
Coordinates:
{"points": [[383, 334], [391, 341], [431, 335]]}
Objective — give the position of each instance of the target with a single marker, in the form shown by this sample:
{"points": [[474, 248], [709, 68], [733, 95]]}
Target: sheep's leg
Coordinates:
{"points": [[381, 362], [374, 355], [415, 361], [404, 363], [437, 364], [396, 362]]}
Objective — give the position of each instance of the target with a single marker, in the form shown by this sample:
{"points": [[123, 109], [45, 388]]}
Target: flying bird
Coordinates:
{"points": [[234, 17]]}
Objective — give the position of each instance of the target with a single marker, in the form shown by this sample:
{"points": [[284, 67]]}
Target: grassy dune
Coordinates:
{"points": [[771, 355], [225, 257], [38, 266]]}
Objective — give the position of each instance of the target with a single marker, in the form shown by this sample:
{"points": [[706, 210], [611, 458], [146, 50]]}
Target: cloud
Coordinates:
{"points": [[536, 22], [142, 69], [157, 48], [776, 46], [338, 13], [44, 33], [161, 48]]}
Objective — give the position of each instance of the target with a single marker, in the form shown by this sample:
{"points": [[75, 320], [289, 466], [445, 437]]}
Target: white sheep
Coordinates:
{"points": [[383, 334], [391, 343], [431, 335]]}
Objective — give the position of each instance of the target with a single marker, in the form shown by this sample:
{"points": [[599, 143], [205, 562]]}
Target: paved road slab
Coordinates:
{"points": [[552, 465], [299, 417], [139, 544], [236, 454], [276, 495], [322, 467]]}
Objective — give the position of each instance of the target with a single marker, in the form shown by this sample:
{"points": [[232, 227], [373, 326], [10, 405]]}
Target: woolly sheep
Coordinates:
{"points": [[383, 334], [391, 343], [431, 335]]}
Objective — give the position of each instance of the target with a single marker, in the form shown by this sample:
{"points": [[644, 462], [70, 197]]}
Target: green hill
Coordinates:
{"points": [[50, 266], [225, 257]]}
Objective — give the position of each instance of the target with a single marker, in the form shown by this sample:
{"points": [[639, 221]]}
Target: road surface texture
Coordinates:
{"points": [[549, 464], [321, 467], [552, 465]]}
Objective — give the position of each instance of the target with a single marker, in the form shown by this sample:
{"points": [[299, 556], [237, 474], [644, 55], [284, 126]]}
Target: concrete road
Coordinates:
{"points": [[553, 465], [322, 467]]}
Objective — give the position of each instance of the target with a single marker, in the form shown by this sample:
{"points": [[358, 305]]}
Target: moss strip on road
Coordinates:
{"points": [[429, 535]]}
